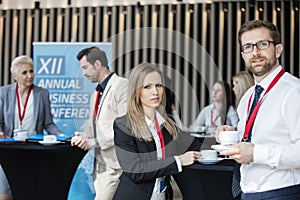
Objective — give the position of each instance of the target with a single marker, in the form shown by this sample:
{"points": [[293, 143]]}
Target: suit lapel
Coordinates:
{"points": [[12, 98], [167, 140], [106, 90]]}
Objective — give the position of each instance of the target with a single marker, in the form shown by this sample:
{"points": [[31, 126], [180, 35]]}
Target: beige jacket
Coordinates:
{"points": [[113, 104]]}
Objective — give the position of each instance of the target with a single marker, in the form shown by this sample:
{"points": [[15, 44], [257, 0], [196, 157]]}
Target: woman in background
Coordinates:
{"points": [[23, 106], [242, 81], [149, 145], [220, 112], [170, 103]]}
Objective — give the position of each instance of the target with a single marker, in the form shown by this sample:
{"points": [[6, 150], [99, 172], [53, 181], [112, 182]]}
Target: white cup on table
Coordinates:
{"points": [[211, 130], [50, 138]]}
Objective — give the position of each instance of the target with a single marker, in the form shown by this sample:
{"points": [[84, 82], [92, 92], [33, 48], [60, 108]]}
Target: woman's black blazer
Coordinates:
{"points": [[138, 160]]}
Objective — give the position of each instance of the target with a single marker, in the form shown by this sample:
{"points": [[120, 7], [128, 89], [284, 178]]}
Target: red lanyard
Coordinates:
{"points": [[212, 122], [96, 104], [21, 115], [161, 139], [252, 117]]}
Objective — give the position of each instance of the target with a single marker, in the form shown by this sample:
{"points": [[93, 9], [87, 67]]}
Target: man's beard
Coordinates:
{"points": [[267, 67]]}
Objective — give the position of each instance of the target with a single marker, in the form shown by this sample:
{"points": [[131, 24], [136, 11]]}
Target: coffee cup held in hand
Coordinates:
{"points": [[49, 138], [208, 155], [228, 137]]}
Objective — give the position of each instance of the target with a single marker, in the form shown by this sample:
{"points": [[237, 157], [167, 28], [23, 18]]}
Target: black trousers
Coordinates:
{"points": [[286, 193]]}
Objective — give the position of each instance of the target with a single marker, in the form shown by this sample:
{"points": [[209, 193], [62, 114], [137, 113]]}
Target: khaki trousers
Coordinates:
{"points": [[106, 180]]}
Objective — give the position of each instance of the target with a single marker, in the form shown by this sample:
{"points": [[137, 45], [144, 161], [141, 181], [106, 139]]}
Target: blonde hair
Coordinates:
{"points": [[135, 114], [18, 61], [245, 81]]}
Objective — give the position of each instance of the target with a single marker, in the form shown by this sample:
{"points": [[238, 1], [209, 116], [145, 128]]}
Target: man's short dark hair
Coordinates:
{"points": [[92, 54], [254, 24]]}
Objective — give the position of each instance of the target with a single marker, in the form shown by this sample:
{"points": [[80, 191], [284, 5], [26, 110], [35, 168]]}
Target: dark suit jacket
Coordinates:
{"points": [[138, 159], [42, 110]]}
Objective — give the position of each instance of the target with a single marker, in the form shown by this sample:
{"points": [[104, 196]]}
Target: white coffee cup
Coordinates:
{"points": [[20, 135], [228, 137], [211, 130], [49, 138], [198, 129], [208, 155]]}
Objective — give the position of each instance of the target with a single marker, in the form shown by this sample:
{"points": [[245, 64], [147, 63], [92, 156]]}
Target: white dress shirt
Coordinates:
{"points": [[275, 134], [153, 131], [28, 121], [210, 112]]}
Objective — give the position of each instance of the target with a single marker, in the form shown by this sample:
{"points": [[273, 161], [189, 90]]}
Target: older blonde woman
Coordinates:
{"points": [[23, 106]]}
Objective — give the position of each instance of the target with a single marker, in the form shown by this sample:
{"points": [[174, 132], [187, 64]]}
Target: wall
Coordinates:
{"points": [[194, 43]]}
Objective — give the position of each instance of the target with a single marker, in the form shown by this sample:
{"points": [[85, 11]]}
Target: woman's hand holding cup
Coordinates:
{"points": [[189, 157]]}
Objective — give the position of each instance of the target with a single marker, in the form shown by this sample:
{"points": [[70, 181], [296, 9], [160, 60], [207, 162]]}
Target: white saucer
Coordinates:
{"points": [[49, 143], [220, 147], [205, 161]]}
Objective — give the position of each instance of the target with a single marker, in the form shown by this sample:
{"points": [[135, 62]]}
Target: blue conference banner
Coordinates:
{"points": [[57, 69]]}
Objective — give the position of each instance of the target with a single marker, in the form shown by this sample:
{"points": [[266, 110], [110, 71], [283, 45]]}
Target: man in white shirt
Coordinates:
{"points": [[270, 154]]}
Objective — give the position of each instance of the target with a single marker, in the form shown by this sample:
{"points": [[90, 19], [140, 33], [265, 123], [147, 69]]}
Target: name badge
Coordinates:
{"points": [[162, 185]]}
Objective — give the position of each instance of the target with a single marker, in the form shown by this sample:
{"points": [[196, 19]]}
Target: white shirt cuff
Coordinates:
{"points": [[178, 163]]}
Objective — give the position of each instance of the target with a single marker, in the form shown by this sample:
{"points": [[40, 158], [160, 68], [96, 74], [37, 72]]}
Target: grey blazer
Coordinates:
{"points": [[42, 110]]}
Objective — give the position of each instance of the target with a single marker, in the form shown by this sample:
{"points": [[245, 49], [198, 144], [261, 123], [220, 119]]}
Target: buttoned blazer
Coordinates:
{"points": [[113, 104], [42, 110], [138, 160]]}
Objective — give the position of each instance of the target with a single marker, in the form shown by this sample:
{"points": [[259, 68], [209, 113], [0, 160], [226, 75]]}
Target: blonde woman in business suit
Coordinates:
{"points": [[23, 106], [149, 145]]}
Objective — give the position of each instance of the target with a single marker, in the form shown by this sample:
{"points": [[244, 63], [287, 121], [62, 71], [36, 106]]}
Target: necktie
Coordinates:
{"points": [[258, 91], [98, 89], [236, 176]]}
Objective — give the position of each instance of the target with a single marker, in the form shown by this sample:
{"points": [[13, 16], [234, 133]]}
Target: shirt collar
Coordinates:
{"points": [[103, 84], [266, 81], [159, 118]]}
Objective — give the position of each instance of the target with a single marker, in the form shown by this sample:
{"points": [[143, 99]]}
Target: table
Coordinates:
{"points": [[206, 139], [38, 172], [206, 182]]}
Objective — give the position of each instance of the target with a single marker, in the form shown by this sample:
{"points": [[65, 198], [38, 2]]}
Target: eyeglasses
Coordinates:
{"points": [[261, 45]]}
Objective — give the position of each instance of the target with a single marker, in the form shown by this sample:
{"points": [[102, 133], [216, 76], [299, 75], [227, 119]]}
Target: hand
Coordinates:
{"points": [[2, 135], [189, 157], [241, 152], [185, 129], [222, 128], [82, 141]]}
